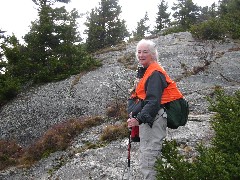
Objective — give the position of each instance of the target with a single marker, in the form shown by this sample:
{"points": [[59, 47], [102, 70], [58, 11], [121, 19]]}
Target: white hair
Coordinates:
{"points": [[151, 47]]}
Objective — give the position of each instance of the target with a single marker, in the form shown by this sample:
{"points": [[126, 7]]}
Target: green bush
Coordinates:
{"points": [[226, 122], [232, 23], [9, 88], [172, 165], [174, 29], [211, 29], [44, 75], [222, 160]]}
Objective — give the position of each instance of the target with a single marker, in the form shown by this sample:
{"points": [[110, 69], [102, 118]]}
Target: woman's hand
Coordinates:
{"points": [[132, 122]]}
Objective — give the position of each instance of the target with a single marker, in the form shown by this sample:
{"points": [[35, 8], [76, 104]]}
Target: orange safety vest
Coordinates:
{"points": [[170, 93]]}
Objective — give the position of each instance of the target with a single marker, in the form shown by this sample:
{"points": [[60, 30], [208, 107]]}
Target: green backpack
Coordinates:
{"points": [[177, 113]]}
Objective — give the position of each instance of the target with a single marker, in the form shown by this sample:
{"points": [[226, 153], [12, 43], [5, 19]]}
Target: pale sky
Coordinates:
{"points": [[16, 15]]}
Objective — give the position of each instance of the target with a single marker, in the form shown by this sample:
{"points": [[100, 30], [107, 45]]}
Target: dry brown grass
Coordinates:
{"points": [[56, 138], [10, 151], [114, 132], [60, 136]]}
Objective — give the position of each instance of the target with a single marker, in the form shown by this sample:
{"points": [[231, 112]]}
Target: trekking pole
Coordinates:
{"points": [[129, 157]]}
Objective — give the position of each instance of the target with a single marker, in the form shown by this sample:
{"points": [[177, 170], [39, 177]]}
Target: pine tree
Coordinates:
{"points": [[94, 30], [229, 11], [213, 13], [50, 42], [162, 19], [52, 34], [186, 13], [104, 28], [207, 13], [52, 51], [142, 28], [223, 9]]}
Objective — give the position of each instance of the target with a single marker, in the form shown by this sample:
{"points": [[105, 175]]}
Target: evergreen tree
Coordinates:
{"points": [[186, 13], [207, 13], [104, 28], [162, 19], [142, 28], [2, 63], [94, 31], [52, 34], [18, 64], [52, 51], [10, 68], [50, 42], [229, 11], [213, 13], [230, 8], [223, 9]]}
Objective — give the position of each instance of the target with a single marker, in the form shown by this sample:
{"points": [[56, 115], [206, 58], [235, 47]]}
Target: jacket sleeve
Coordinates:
{"points": [[151, 105]]}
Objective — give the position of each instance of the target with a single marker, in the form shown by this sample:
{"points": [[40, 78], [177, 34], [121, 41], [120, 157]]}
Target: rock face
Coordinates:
{"points": [[198, 67]]}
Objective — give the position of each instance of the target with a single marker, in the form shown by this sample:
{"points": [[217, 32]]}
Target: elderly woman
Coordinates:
{"points": [[154, 89]]}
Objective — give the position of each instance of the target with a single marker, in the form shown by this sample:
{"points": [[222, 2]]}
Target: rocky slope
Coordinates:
{"points": [[198, 67]]}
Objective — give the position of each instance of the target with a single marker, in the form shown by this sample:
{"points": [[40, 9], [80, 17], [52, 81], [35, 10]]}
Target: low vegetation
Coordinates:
{"points": [[222, 159], [114, 132], [57, 138], [10, 152], [60, 136]]}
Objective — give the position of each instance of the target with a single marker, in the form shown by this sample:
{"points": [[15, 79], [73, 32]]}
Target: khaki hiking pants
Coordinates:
{"points": [[151, 140]]}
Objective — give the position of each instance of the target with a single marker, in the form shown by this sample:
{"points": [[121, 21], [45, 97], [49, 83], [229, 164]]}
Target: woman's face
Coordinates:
{"points": [[144, 56]]}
